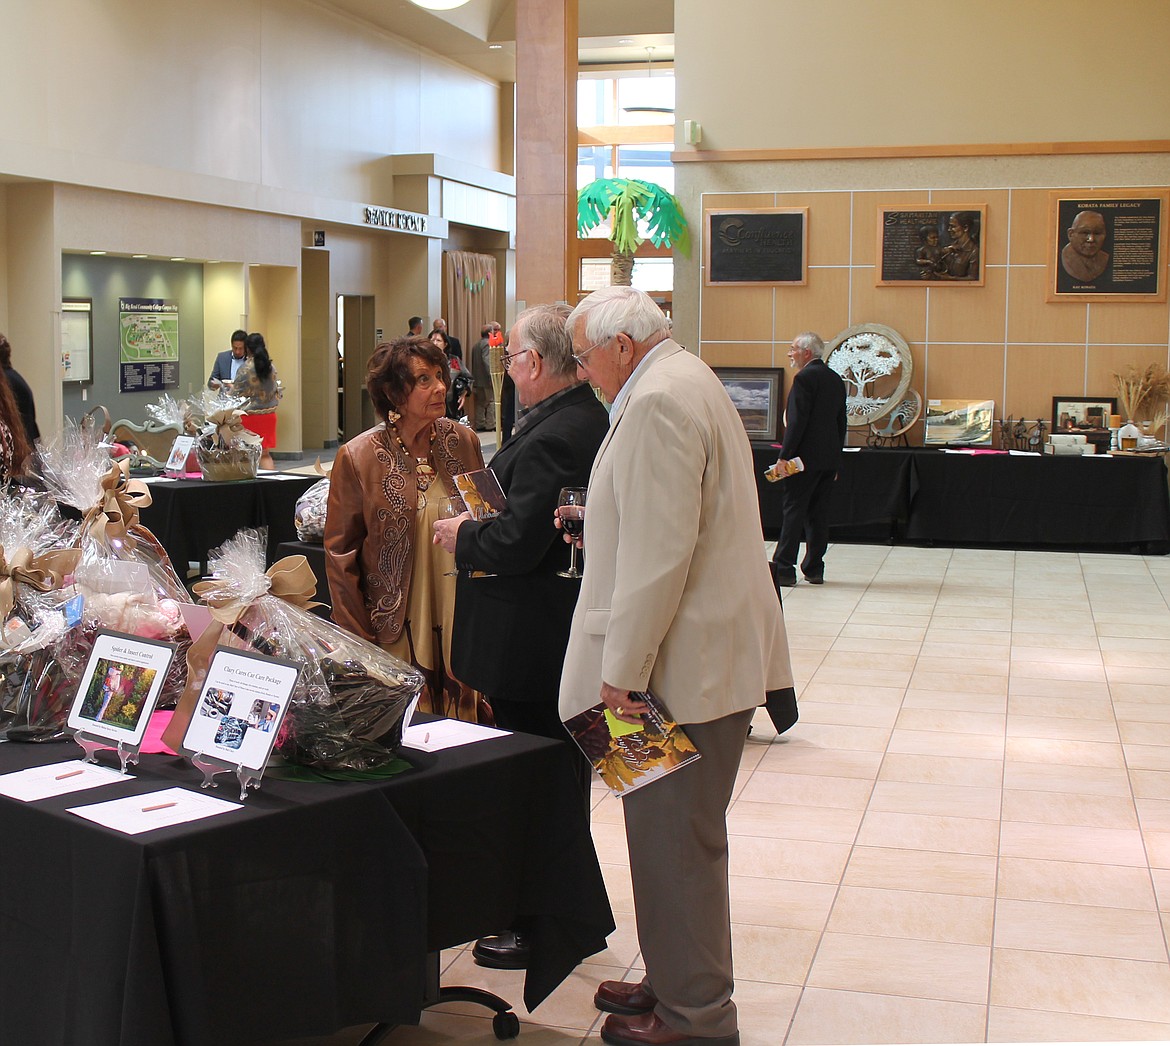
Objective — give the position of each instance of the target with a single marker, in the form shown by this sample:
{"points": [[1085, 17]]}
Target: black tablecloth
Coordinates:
{"points": [[997, 500], [192, 516], [310, 910]]}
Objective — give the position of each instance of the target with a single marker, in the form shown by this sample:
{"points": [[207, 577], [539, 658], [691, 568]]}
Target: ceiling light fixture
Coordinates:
{"points": [[649, 74], [439, 5]]}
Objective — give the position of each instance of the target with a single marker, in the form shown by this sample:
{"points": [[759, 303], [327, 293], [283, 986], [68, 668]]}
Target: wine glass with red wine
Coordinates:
{"points": [[571, 509]]}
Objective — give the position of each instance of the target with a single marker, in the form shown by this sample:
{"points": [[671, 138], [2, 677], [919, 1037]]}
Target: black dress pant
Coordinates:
{"points": [[806, 516]]}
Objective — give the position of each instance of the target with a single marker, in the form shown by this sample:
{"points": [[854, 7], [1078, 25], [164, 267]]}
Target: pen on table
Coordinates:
{"points": [[427, 739], [72, 773], [158, 806]]}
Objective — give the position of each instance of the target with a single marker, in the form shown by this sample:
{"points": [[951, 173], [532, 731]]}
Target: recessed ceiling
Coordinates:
{"points": [[466, 34]]}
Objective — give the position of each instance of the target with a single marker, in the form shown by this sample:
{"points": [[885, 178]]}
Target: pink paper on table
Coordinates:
{"points": [[152, 742]]}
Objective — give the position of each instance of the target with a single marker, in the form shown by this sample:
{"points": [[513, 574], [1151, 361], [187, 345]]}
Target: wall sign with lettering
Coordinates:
{"points": [[766, 245], [1107, 244], [389, 218]]}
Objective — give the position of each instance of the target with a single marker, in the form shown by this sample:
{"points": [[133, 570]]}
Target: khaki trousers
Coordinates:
{"points": [[676, 830]]}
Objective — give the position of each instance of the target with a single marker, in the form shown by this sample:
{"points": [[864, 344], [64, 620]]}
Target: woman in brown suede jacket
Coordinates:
{"points": [[387, 581]]}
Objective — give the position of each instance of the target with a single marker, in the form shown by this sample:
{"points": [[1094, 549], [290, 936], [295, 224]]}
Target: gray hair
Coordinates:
{"points": [[619, 310], [543, 328], [811, 341]]}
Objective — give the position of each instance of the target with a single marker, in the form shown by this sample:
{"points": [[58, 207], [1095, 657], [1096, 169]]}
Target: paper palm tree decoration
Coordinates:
{"points": [[630, 201]]}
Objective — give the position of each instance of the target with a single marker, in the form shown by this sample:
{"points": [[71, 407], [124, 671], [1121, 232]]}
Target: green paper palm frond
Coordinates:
{"points": [[630, 201]]}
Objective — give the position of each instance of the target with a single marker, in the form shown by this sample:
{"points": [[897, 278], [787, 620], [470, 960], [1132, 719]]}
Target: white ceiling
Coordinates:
{"points": [[611, 31]]}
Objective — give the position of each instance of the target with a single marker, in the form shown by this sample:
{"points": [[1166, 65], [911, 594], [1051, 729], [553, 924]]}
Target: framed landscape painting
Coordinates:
{"points": [[757, 393]]}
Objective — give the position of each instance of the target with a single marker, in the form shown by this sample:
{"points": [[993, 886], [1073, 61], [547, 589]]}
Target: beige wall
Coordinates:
{"points": [[238, 102], [880, 77], [840, 73]]}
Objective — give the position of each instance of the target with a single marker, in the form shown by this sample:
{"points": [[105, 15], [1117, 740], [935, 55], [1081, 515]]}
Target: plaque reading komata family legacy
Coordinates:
{"points": [[1106, 244], [931, 247], [755, 246]]}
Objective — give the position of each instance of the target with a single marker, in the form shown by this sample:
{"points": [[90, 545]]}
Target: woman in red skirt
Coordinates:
{"points": [[256, 382]]}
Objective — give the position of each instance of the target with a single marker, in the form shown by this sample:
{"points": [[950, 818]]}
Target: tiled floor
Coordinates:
{"points": [[967, 836]]}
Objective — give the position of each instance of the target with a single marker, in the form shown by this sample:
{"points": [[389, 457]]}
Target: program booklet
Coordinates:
{"points": [[481, 493], [628, 757]]}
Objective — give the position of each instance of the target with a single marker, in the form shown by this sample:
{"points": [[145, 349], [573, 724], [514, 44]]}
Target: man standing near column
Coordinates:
{"points": [[676, 599], [814, 431], [481, 375]]}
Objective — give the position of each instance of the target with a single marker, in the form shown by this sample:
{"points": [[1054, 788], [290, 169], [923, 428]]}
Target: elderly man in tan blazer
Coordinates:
{"points": [[677, 599]]}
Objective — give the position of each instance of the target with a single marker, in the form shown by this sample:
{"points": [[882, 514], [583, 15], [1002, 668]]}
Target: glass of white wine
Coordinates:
{"points": [[449, 508]]}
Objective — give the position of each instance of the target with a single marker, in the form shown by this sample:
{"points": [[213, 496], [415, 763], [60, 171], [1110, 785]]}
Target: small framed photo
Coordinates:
{"points": [[931, 247], [758, 395], [755, 246], [959, 423], [1071, 414], [119, 687], [1107, 244]]}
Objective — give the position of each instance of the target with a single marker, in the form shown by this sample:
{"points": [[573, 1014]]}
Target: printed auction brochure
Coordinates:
{"points": [[481, 493], [628, 757], [243, 702]]}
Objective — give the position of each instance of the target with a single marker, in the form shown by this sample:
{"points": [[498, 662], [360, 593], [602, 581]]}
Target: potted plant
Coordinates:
{"points": [[630, 201], [1143, 391]]}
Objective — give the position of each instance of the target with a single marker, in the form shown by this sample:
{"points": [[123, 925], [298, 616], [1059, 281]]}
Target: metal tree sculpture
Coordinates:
{"points": [[874, 362], [630, 201]]}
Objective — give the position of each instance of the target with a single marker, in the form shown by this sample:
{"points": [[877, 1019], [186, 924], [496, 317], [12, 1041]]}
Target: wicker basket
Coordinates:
{"points": [[227, 463]]}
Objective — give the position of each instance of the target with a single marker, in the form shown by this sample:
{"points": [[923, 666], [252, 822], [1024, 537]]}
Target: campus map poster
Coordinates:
{"points": [[148, 334]]}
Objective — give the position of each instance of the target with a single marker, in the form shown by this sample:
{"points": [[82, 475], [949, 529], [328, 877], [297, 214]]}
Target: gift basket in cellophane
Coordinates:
{"points": [[225, 449], [347, 709], [186, 416], [123, 574], [37, 611], [312, 508]]}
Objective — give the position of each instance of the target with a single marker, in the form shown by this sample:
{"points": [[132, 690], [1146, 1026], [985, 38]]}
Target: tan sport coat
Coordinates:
{"points": [[677, 595]]}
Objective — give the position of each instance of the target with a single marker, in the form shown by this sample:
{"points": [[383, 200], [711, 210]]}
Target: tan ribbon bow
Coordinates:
{"points": [[291, 579], [116, 510], [44, 572], [229, 426]]}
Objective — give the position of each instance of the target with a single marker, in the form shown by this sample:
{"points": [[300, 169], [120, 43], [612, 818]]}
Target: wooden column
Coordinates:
{"points": [[546, 151]]}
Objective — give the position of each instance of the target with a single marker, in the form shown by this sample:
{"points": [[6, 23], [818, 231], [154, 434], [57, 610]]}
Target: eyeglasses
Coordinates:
{"points": [[508, 357], [579, 357]]}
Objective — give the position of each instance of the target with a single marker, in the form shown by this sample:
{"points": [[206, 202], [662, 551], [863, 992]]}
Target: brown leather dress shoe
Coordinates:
{"points": [[625, 997], [648, 1029]]}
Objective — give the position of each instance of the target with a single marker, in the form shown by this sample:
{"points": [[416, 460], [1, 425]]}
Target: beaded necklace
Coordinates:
{"points": [[424, 471]]}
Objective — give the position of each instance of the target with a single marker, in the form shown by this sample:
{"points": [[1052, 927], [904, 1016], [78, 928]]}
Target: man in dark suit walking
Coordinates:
{"points": [[511, 630], [229, 361], [814, 431]]}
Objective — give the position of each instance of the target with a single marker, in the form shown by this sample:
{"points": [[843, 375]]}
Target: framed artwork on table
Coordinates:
{"points": [[931, 247], [965, 423], [758, 396], [1075, 414]]}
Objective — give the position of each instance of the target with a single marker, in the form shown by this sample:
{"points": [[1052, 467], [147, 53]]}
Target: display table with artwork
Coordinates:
{"points": [[1090, 503], [311, 909], [192, 516]]}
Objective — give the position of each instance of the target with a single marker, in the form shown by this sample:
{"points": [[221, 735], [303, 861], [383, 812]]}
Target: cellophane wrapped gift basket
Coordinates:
{"points": [[36, 614], [225, 449], [122, 573], [348, 706]]}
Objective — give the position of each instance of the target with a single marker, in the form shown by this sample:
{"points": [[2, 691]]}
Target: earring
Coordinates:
{"points": [[393, 417]]}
